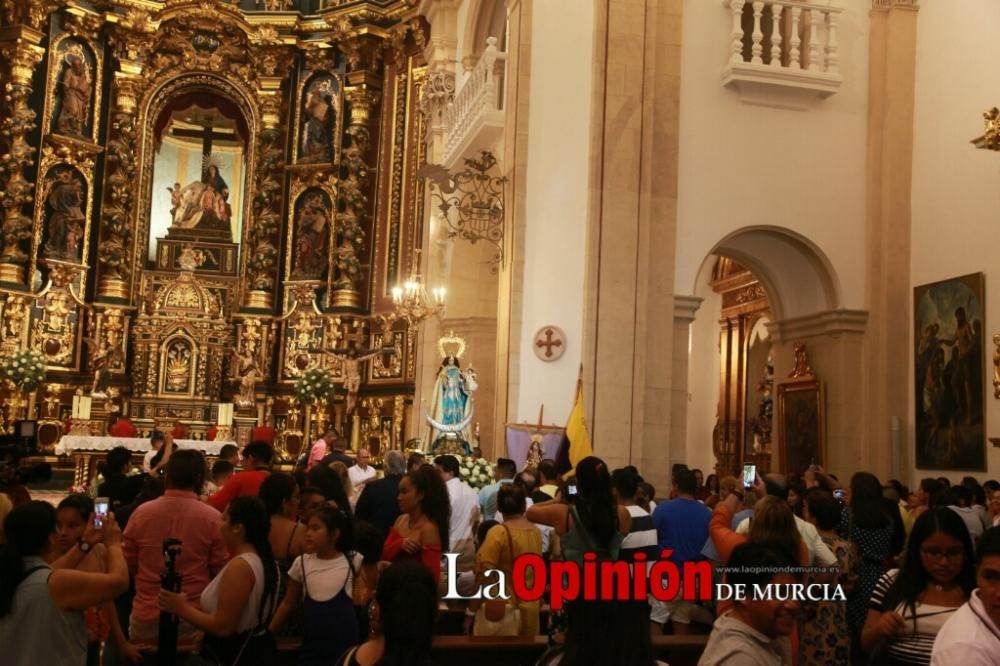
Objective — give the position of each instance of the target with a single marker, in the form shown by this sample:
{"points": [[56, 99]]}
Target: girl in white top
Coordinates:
{"points": [[237, 605], [910, 605], [323, 580]]}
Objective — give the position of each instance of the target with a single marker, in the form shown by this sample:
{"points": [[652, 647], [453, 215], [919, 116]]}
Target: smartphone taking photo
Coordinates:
{"points": [[100, 511], [749, 475]]}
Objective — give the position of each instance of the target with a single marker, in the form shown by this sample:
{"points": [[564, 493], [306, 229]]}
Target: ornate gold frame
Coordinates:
{"points": [[151, 105], [807, 384]]}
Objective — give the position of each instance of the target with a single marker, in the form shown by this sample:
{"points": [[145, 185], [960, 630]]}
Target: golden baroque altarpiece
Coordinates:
{"points": [[202, 200]]}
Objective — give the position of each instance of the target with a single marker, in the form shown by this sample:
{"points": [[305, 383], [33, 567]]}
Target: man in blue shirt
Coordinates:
{"points": [[504, 472], [682, 527]]}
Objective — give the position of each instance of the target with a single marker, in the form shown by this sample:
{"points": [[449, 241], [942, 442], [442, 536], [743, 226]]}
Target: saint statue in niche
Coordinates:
{"points": [[313, 225], [75, 85], [320, 110], [66, 220], [202, 205]]}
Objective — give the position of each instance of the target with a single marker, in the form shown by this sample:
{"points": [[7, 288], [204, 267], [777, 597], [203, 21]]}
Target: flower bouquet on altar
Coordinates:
{"points": [[314, 385], [476, 473], [25, 369]]}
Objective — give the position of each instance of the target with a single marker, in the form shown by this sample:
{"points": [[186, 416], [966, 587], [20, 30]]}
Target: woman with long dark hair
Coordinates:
{"points": [[237, 605], [280, 494], [421, 532], [327, 480], [404, 613], [910, 605], [41, 609], [588, 520], [867, 523]]}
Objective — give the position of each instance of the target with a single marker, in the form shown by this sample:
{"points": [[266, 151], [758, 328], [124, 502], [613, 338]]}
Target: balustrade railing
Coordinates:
{"points": [[796, 40], [478, 101]]}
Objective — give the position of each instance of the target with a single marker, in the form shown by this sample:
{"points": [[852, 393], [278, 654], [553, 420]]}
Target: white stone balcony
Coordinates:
{"points": [[474, 119], [784, 44]]}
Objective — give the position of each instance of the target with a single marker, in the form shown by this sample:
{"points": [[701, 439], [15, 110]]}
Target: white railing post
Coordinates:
{"points": [[736, 36], [832, 46], [757, 49], [794, 57], [776, 11], [814, 50]]}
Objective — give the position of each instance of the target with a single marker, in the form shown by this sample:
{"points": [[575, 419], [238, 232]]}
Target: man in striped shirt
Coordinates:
{"points": [[642, 535]]}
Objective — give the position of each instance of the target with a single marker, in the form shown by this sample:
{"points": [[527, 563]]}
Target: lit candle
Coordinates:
{"points": [[397, 295]]}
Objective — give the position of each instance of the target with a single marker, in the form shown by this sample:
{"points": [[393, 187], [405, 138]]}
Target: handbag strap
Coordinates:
{"points": [[264, 626], [513, 554]]}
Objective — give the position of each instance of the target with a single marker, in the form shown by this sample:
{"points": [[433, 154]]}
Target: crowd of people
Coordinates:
{"points": [[353, 562]]}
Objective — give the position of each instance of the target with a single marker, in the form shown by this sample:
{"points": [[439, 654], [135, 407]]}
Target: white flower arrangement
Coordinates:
{"points": [[313, 386], [475, 473], [25, 369]]}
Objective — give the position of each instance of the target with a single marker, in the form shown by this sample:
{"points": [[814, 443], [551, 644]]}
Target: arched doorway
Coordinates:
{"points": [[761, 289]]}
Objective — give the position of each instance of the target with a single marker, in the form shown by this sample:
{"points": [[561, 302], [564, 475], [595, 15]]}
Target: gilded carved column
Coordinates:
{"points": [[119, 191], [362, 101], [23, 54], [264, 235]]}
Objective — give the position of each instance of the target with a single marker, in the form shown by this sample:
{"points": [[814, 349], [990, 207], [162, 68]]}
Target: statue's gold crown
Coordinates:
{"points": [[451, 345]]}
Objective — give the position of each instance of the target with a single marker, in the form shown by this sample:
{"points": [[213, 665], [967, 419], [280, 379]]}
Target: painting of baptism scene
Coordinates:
{"points": [[499, 332]]}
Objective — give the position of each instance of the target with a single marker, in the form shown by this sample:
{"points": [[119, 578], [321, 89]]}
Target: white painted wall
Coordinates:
{"points": [[956, 188], [556, 200], [745, 165]]}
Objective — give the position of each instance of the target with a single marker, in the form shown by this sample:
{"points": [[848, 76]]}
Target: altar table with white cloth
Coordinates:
{"points": [[84, 447]]}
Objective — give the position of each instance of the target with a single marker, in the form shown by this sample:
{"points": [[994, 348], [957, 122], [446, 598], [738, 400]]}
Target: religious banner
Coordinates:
{"points": [[949, 373], [527, 442]]}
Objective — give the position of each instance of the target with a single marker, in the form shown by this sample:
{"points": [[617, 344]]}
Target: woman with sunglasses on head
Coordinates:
{"points": [[911, 604]]}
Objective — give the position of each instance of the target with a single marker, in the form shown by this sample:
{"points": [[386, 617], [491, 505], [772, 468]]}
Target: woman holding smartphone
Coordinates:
{"points": [[42, 606]]}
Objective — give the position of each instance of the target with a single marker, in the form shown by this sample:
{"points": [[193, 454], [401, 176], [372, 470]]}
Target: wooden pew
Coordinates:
{"points": [[504, 651]]}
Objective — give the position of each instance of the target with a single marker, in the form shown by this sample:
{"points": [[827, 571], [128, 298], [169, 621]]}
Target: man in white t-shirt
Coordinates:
{"points": [[464, 512], [156, 441], [971, 636], [361, 472]]}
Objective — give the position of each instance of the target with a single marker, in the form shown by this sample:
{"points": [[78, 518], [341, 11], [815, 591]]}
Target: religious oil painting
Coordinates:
{"points": [[74, 94], [801, 423], [65, 199], [318, 119], [950, 373]]}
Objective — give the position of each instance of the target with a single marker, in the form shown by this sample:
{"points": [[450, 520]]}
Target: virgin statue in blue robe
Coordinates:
{"points": [[451, 413]]}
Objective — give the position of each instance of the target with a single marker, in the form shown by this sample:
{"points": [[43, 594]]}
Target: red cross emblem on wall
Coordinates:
{"points": [[550, 343]]}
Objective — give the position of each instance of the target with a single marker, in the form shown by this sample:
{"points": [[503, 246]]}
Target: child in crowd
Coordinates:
{"points": [[323, 580]]}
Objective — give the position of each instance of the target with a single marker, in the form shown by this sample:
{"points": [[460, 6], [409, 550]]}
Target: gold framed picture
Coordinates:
{"points": [[801, 419]]}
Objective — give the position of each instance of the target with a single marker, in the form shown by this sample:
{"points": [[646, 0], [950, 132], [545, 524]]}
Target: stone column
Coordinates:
{"points": [[629, 332], [685, 309], [885, 380], [22, 51]]}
